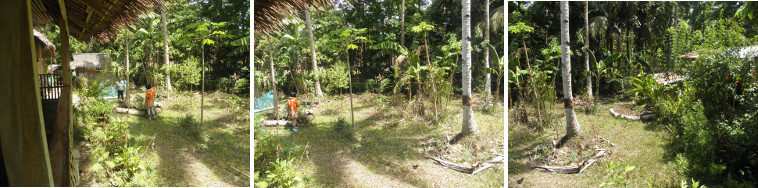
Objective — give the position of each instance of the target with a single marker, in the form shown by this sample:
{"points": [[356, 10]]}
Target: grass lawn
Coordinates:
{"points": [[218, 156], [639, 145], [390, 145]]}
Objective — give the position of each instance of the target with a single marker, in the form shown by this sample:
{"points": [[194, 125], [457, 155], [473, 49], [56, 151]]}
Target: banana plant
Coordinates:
{"points": [[603, 69]]}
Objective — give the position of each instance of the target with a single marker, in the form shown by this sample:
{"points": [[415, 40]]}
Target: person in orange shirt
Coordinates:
{"points": [[292, 106], [150, 102]]}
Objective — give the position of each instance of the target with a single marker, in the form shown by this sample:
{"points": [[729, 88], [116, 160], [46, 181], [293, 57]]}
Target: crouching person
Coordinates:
{"points": [[150, 102], [292, 104]]}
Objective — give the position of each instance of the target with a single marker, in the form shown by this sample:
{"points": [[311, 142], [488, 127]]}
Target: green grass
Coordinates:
{"points": [[639, 145], [388, 142], [219, 156]]}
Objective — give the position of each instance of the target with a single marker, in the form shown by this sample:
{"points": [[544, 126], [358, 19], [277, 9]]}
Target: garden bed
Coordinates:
{"points": [[629, 111]]}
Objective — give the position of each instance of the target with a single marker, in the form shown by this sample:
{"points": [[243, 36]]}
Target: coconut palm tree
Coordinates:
{"points": [[165, 49], [572, 125], [313, 52], [587, 43], [487, 82], [469, 123]]}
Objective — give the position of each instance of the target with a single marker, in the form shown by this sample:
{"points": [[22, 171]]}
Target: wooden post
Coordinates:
{"points": [[350, 80], [60, 144], [22, 131]]}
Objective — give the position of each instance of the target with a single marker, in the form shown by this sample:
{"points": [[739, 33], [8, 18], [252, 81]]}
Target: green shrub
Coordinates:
{"points": [[283, 174], [714, 117], [80, 83], [617, 173], [190, 128], [343, 130]]}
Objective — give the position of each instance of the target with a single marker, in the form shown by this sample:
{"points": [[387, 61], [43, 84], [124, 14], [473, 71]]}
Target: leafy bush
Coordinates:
{"points": [[336, 77], [282, 174], [647, 91], [190, 128], [188, 73], [79, 84], [617, 172], [713, 119], [94, 89], [343, 130], [242, 87]]}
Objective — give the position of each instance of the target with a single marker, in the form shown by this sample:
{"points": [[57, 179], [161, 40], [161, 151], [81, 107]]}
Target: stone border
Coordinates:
{"points": [[646, 116], [613, 112]]}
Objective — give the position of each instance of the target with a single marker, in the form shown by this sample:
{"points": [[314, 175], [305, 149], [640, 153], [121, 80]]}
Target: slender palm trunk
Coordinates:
{"points": [[469, 123], [572, 125], [202, 90], [488, 81], [273, 82], [165, 51], [126, 94], [402, 23], [313, 52], [587, 43], [350, 79]]}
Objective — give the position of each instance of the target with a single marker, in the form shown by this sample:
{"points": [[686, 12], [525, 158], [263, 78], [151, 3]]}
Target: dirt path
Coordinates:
{"points": [[387, 151], [180, 166], [218, 157], [350, 172]]}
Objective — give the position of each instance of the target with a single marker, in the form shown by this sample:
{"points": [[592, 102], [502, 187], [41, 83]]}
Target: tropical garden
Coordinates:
{"points": [[383, 83], [195, 55], [654, 94]]}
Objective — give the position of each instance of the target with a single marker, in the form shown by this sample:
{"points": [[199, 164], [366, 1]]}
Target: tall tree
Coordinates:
{"points": [[313, 51], [587, 44], [402, 23], [469, 123], [488, 81], [126, 95], [572, 125], [165, 50]]}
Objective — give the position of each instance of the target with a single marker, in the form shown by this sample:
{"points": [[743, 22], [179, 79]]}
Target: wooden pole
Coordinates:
{"points": [[350, 79], [60, 151], [202, 90], [22, 130]]}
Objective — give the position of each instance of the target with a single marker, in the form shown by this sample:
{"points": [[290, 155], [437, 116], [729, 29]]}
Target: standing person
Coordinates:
{"points": [[292, 104], [120, 85], [150, 102]]}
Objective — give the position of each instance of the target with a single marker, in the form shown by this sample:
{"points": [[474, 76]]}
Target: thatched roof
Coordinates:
{"points": [[92, 19], [91, 61], [47, 47], [268, 13]]}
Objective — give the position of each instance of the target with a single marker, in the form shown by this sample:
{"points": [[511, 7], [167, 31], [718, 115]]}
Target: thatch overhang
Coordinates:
{"points": [[269, 13], [90, 61], [89, 20], [47, 47]]}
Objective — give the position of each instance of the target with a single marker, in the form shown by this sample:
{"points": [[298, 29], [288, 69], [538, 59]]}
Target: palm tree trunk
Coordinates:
{"points": [[469, 123], [488, 81], [126, 94], [313, 52], [402, 23], [572, 125], [165, 50], [587, 55]]}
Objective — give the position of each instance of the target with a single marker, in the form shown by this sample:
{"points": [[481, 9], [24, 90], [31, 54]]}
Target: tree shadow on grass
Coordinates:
{"points": [[176, 152]]}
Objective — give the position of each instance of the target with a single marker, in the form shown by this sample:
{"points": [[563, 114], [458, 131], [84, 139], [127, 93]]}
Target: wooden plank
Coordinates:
{"points": [[22, 134]]}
